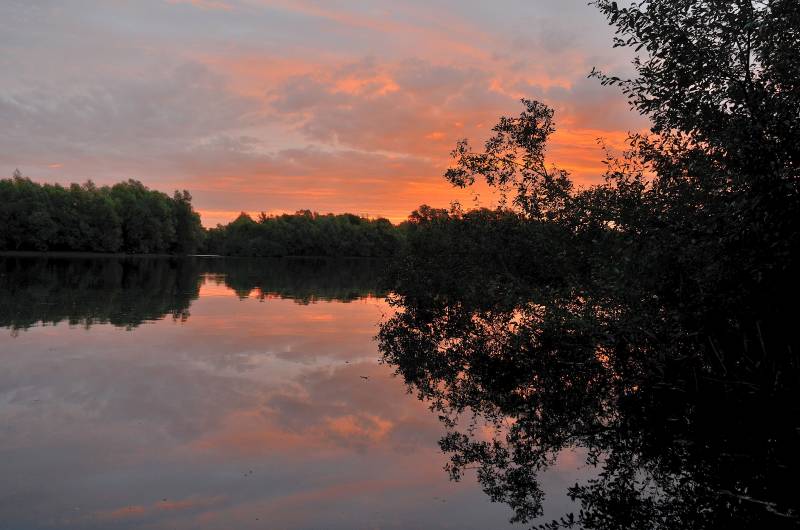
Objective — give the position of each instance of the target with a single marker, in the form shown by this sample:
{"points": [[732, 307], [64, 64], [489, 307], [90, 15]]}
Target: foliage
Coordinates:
{"points": [[503, 340], [700, 219], [648, 319], [305, 233], [514, 161], [127, 217], [130, 218]]}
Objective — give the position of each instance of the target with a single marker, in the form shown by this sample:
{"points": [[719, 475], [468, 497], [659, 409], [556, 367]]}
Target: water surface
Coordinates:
{"points": [[211, 393]]}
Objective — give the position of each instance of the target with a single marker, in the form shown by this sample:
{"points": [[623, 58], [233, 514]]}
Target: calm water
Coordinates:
{"points": [[208, 393]]}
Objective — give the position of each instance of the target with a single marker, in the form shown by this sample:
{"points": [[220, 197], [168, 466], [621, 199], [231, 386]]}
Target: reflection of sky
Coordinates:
{"points": [[248, 415]]}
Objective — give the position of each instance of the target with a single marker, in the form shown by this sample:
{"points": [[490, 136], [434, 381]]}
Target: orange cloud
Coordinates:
{"points": [[303, 104]]}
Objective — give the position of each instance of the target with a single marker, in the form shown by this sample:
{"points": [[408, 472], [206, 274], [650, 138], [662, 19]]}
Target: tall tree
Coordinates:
{"points": [[650, 319]]}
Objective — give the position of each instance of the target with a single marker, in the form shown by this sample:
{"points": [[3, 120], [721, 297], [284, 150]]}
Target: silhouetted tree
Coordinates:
{"points": [[648, 319], [305, 233]]}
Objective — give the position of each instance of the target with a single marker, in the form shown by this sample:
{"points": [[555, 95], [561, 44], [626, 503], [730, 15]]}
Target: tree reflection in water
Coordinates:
{"points": [[126, 291], [518, 376]]}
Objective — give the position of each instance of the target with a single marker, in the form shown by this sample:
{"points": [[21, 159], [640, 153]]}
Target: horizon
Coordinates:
{"points": [[267, 105], [419, 264]]}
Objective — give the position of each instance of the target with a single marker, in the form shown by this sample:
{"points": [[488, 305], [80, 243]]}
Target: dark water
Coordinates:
{"points": [[520, 369], [207, 394]]}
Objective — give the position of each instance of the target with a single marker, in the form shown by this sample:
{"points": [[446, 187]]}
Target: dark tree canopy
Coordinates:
{"points": [[724, 73], [305, 233], [701, 215], [649, 319]]}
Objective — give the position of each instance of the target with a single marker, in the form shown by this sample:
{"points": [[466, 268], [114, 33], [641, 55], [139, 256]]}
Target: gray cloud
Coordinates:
{"points": [[252, 103], [120, 119]]}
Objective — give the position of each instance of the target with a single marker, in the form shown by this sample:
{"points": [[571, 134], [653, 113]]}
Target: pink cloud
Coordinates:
{"points": [[281, 105]]}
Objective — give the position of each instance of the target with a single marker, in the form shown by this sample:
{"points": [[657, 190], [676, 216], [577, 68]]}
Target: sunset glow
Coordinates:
{"points": [[272, 105], [399, 264]]}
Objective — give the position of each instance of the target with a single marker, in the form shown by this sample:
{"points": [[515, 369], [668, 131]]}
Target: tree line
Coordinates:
{"points": [[126, 217], [132, 219], [304, 233]]}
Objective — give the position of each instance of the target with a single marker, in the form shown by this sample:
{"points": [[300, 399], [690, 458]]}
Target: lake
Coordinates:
{"points": [[209, 393]]}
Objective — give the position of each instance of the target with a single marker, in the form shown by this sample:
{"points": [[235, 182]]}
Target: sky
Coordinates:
{"points": [[279, 105]]}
